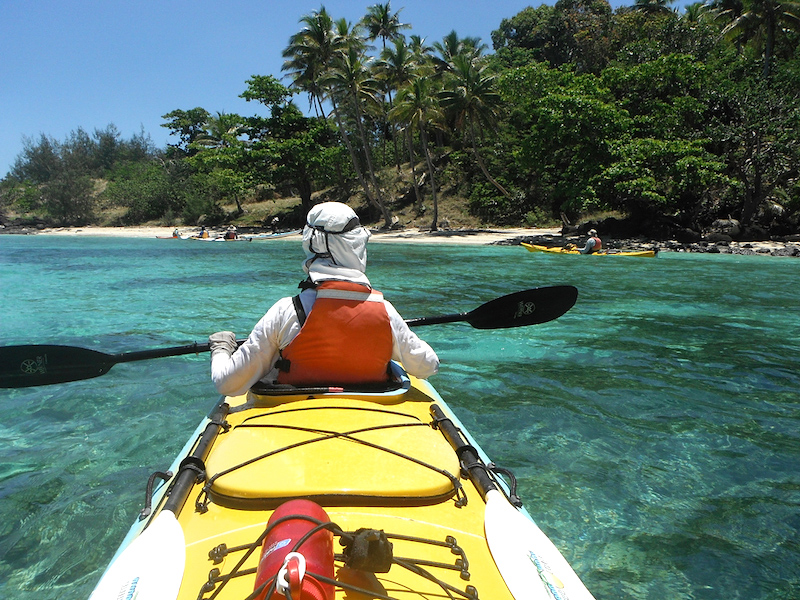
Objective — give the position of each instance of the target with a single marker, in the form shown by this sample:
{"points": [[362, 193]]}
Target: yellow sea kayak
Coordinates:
{"points": [[403, 486], [558, 250]]}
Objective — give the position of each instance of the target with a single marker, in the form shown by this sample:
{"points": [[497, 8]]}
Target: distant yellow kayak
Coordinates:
{"points": [[535, 248]]}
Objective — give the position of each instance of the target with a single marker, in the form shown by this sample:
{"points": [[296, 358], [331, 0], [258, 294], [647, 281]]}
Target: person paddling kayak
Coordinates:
{"points": [[348, 338], [593, 244]]}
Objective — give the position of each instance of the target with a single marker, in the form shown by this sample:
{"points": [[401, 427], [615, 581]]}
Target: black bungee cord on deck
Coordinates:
{"points": [[348, 540]]}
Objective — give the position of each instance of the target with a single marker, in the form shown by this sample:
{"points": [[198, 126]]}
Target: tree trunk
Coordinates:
{"points": [[354, 158], [754, 193], [769, 46], [304, 187], [412, 161], [387, 215], [424, 139], [482, 166]]}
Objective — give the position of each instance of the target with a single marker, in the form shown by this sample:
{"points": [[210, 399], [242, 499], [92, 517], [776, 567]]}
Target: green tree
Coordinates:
{"points": [[565, 125], [221, 131], [38, 161], [420, 50], [757, 131], [187, 125], [309, 55], [417, 107], [380, 22], [147, 190], [68, 198], [470, 96], [570, 32], [668, 97], [352, 86], [764, 21], [396, 68], [653, 6], [288, 147], [649, 179], [638, 36]]}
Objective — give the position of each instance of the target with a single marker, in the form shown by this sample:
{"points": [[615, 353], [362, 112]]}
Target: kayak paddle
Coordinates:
{"points": [[32, 365], [529, 307], [26, 366]]}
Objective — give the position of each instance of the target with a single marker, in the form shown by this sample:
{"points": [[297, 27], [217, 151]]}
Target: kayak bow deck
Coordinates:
{"points": [[396, 461]]}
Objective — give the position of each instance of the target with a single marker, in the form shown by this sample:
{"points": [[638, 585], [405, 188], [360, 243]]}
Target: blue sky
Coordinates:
{"points": [[89, 63]]}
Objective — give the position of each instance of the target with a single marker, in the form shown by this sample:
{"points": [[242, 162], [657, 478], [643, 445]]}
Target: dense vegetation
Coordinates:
{"points": [[673, 120]]}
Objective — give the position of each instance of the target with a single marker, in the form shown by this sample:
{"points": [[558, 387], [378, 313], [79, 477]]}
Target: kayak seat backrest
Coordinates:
{"points": [[349, 453], [267, 394]]}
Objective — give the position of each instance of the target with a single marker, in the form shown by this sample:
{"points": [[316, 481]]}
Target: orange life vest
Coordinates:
{"points": [[597, 243], [346, 339]]}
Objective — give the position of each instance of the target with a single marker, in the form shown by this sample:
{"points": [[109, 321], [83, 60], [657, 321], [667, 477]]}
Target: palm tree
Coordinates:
{"points": [[381, 23], [727, 11], [421, 51], [765, 20], [395, 69], [452, 46], [351, 86], [695, 12], [221, 131], [474, 103], [309, 55], [653, 6], [417, 108]]}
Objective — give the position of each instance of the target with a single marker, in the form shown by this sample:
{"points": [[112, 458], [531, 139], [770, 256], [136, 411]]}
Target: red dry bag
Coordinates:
{"points": [[316, 553]]}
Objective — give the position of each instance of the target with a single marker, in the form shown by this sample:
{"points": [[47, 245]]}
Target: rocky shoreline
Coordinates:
{"points": [[787, 246]]}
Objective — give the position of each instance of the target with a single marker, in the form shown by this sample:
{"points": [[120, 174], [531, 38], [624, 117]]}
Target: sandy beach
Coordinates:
{"points": [[471, 236], [509, 237]]}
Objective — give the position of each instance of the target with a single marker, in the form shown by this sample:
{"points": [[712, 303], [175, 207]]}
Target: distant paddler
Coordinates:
{"points": [[593, 244]]}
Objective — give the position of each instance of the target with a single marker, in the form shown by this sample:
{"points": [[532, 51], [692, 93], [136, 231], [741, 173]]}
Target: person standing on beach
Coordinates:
{"points": [[593, 244], [337, 331]]}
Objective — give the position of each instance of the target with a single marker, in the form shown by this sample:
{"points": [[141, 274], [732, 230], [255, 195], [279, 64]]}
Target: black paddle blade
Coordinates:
{"points": [[26, 366], [528, 307]]}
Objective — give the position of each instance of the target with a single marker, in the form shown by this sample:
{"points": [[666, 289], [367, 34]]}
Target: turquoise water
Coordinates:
{"points": [[654, 428]]}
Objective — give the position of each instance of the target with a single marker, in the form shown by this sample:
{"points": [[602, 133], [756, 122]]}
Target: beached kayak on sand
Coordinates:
{"points": [[559, 250], [403, 502], [272, 236], [248, 238]]}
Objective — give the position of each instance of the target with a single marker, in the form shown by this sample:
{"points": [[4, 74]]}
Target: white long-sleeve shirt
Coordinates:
{"points": [[255, 359]]}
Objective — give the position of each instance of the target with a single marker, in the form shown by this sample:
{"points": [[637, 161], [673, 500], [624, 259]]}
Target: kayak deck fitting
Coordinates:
{"points": [[559, 250], [396, 461]]}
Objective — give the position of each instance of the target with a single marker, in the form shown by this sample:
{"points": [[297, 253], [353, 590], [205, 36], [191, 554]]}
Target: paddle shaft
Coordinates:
{"points": [[160, 352], [32, 365]]}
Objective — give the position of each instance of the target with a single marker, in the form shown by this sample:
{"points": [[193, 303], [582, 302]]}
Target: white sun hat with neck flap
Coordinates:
{"points": [[335, 244]]}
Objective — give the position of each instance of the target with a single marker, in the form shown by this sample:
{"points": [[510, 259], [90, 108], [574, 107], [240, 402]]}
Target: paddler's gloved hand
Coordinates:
{"points": [[222, 341]]}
